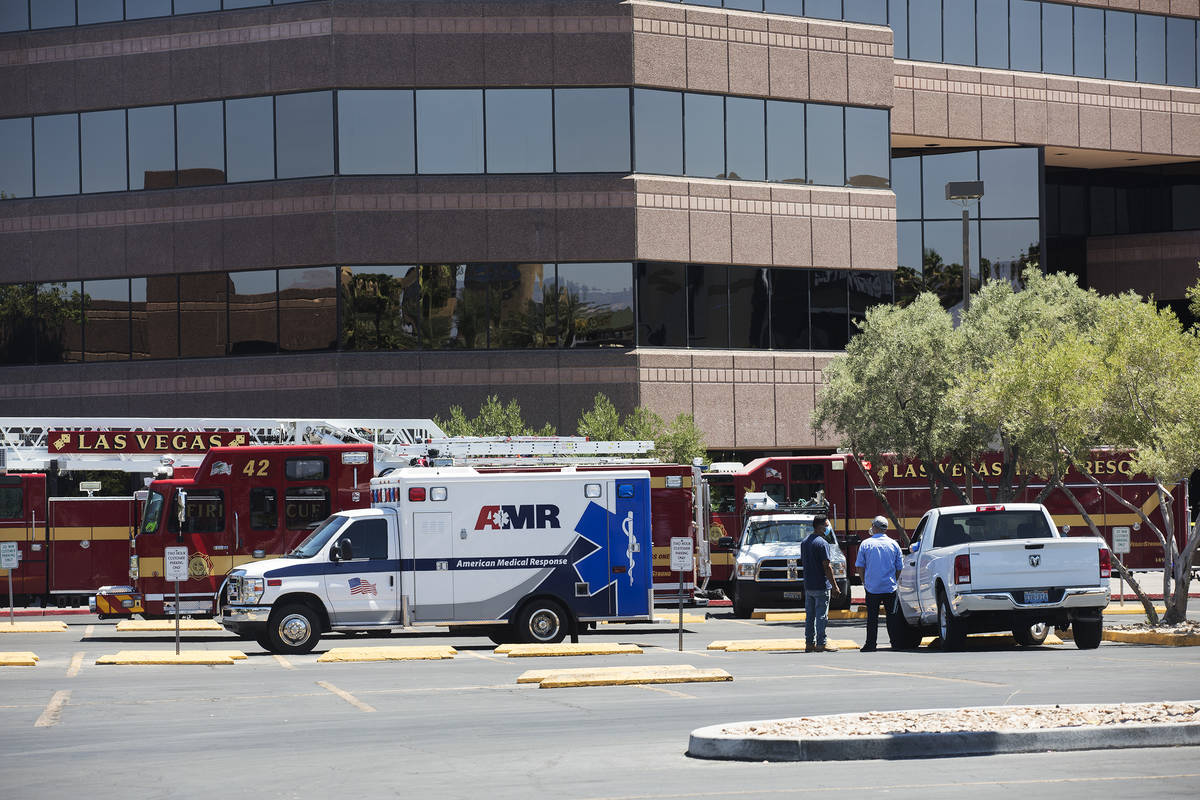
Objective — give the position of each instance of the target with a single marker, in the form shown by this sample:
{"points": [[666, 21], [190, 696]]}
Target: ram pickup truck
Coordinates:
{"points": [[1004, 567]]}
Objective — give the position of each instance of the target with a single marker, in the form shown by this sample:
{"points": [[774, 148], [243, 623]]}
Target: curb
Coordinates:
{"points": [[711, 743], [1151, 637], [44, 612]]}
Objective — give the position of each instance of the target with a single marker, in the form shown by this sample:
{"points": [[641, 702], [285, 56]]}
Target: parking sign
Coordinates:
{"points": [[1120, 540], [681, 553], [9, 555], [176, 561]]}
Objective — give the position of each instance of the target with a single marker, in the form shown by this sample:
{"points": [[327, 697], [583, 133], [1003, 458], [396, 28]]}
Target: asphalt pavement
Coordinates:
{"points": [[464, 728]]}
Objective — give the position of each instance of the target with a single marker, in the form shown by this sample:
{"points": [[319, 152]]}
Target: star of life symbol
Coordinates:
{"points": [[499, 518], [627, 529]]}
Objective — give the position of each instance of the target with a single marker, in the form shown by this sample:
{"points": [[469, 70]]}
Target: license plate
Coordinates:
{"points": [[793, 595], [1037, 597]]}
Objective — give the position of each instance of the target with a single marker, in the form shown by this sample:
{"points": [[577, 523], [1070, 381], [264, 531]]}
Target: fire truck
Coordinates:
{"points": [[840, 480]]}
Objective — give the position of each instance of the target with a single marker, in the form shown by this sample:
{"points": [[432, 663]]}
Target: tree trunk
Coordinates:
{"points": [[881, 495], [1176, 610], [1143, 598]]}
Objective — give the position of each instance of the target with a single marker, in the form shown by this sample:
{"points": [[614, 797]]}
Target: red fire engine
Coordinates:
{"points": [[853, 504]]}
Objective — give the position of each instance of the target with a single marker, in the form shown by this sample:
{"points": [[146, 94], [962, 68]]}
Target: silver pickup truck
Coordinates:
{"points": [[1003, 567]]}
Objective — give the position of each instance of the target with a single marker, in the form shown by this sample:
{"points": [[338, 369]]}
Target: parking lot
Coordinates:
{"points": [[464, 727]]}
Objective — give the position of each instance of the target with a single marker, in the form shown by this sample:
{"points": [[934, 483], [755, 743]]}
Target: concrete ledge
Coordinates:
{"points": [[566, 649], [710, 742], [415, 653], [775, 645], [1152, 637], [134, 625], [48, 626], [798, 616], [1138, 610], [622, 676], [18, 659], [162, 657]]}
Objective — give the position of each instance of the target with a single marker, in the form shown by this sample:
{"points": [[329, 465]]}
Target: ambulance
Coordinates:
{"points": [[517, 557]]}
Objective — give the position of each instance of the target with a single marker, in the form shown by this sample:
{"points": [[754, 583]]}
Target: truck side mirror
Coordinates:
{"points": [[181, 510], [342, 551], [725, 542]]}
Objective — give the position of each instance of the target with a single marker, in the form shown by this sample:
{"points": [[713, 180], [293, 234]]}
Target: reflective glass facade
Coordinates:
{"points": [[443, 131], [20, 15]]}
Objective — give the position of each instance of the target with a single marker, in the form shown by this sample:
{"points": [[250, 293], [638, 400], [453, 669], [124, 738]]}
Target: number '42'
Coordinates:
{"points": [[256, 467]]}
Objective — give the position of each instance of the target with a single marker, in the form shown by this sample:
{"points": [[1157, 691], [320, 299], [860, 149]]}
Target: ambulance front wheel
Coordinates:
{"points": [[293, 630], [542, 622]]}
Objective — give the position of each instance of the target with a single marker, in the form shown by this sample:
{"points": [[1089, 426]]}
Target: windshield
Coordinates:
{"points": [[317, 539], [983, 526], [153, 513], [775, 531]]}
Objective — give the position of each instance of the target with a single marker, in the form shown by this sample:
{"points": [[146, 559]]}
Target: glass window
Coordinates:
{"points": [[11, 502], [194, 6], [745, 5], [264, 509], [60, 322], [824, 137], [793, 8], [1089, 42], [992, 18], [942, 263], [106, 320], [703, 135], [376, 132], [16, 157], [151, 147], [18, 331], [661, 305], [898, 22], [14, 15], [237, 4], [205, 512], [908, 283], [139, 319], [158, 297], [253, 313], [925, 30], [658, 131], [519, 309], [1118, 45], [1025, 35], [520, 134], [1008, 247], [51, 13], [867, 289], [200, 143], [449, 131], [368, 539], [830, 309], [873, 11], [1010, 182], [906, 183], [380, 307], [868, 148], [785, 141], [749, 307], [937, 172], [305, 507], [708, 305], [307, 309], [454, 307], [102, 137], [1181, 51], [306, 468], [202, 314], [250, 139], [1057, 38], [304, 139], [140, 9], [958, 31], [91, 11], [591, 130], [789, 309], [1151, 48], [56, 154], [595, 305], [823, 9], [745, 139]]}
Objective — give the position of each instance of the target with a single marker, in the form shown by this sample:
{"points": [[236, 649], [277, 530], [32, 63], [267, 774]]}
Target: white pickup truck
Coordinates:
{"points": [[1000, 567]]}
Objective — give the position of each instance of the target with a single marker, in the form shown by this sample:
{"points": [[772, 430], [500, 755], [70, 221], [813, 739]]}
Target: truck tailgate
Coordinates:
{"points": [[1034, 563]]}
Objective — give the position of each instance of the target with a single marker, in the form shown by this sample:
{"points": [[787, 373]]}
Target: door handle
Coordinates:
{"points": [[391, 580], [462, 533]]}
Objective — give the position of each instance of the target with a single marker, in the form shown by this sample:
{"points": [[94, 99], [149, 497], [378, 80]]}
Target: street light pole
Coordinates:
{"points": [[965, 192]]}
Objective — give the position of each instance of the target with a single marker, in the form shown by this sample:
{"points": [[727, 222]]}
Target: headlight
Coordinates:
{"points": [[253, 589], [746, 570]]}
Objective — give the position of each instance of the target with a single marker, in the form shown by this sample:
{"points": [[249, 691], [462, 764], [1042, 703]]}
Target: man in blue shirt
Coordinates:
{"points": [[878, 562], [818, 583]]}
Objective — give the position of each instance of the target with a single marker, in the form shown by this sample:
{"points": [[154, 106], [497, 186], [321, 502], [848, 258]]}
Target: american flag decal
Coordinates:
{"points": [[359, 586]]}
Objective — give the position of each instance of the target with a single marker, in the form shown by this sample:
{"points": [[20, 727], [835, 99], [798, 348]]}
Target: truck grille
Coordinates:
{"points": [[780, 569]]}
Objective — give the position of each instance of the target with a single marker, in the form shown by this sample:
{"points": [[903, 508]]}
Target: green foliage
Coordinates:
{"points": [[677, 443], [681, 442], [601, 422], [494, 419]]}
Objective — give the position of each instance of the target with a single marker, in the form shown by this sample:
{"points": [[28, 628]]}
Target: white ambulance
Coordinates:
{"points": [[527, 557]]}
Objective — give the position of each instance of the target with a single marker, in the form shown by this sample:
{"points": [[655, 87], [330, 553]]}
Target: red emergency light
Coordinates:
{"points": [[416, 494]]}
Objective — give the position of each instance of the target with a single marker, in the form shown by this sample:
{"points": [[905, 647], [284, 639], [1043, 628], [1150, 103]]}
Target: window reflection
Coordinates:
{"points": [[749, 307], [937, 171], [745, 139], [304, 143], [159, 308], [103, 142], [51, 13], [91, 11], [868, 138], [200, 144], [1181, 52], [376, 132], [139, 9], [595, 305], [380, 307], [662, 305], [16, 157], [250, 135], [56, 154], [958, 30], [253, 313], [658, 131], [449, 131], [1089, 42], [1151, 48], [591, 130], [18, 329], [519, 132], [925, 30], [106, 320], [203, 323], [1008, 248], [992, 21], [824, 138], [1119, 45], [708, 305], [14, 15], [872, 11], [1057, 39], [830, 309], [151, 147], [703, 125], [454, 306], [60, 322], [522, 318], [307, 309], [1010, 181], [785, 141], [1025, 35], [867, 289]]}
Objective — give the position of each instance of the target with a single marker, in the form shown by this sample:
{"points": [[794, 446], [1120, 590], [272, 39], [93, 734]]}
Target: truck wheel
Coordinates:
{"points": [[951, 629], [542, 622], [502, 634], [263, 640], [1087, 632], [293, 630], [902, 635], [742, 609], [1032, 635]]}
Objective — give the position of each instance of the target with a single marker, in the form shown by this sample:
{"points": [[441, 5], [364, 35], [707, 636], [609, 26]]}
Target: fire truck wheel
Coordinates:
{"points": [[951, 629], [1031, 635], [293, 630], [263, 640], [542, 622], [1087, 632], [742, 609]]}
